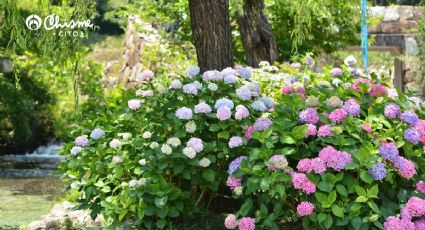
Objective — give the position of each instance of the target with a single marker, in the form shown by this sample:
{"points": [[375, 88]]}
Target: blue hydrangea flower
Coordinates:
{"points": [[378, 171], [388, 151], [224, 102], [410, 117], [192, 71], [412, 135], [236, 164], [244, 93], [259, 106], [190, 89], [97, 133], [230, 79], [245, 72], [268, 102]]}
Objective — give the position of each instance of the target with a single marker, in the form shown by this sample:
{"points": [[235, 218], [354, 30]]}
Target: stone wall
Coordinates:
{"points": [[397, 28]]}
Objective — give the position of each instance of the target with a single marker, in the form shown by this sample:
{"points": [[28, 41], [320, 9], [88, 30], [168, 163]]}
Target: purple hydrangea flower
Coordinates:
{"points": [[324, 131], [335, 72], [235, 141], [82, 141], [76, 150], [309, 116], [392, 111], [176, 84], [97, 133], [212, 75], [223, 113], [224, 102], [184, 113], [351, 107], [236, 164], [262, 123], [245, 72], [410, 117], [388, 151], [241, 112], [244, 93], [259, 106], [230, 79], [378, 171], [195, 143], [190, 89], [268, 102], [202, 107], [412, 135]]}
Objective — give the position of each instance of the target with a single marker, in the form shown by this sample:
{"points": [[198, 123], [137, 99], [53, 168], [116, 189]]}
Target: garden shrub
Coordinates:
{"points": [[339, 152], [163, 152]]}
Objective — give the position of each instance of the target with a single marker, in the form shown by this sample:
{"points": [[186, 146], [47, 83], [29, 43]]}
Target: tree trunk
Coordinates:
{"points": [[210, 23], [257, 36]]}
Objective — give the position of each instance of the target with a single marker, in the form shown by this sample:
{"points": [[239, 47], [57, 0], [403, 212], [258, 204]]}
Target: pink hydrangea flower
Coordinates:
{"points": [[134, 104], [356, 85], [305, 165], [246, 223], [394, 223], [231, 222], [415, 206], [305, 208], [287, 90], [420, 224], [248, 132], [311, 131], [420, 126], [300, 181], [335, 159], [319, 166], [420, 187], [277, 162], [234, 182], [378, 90], [337, 116], [367, 128], [407, 169], [324, 131]]}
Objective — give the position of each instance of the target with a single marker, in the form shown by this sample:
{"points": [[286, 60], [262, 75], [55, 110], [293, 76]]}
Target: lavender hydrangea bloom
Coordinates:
{"points": [[223, 113], [412, 135], [184, 113], [268, 102], [262, 123], [230, 79], [76, 150], [212, 75], [259, 106], [195, 143], [224, 102], [192, 71], [97, 133], [388, 151], [410, 117], [236, 164], [190, 89], [245, 72], [335, 72], [197, 84], [351, 107], [392, 111], [235, 141], [378, 171], [176, 84], [244, 93], [134, 104], [82, 141], [202, 107], [241, 112], [309, 116]]}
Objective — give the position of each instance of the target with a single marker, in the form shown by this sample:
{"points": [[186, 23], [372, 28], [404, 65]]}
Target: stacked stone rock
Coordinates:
{"points": [[398, 26]]}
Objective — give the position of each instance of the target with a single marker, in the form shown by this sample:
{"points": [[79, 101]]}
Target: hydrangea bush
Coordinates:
{"points": [[337, 152], [162, 152]]}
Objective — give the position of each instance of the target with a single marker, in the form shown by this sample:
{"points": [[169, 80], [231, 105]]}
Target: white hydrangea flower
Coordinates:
{"points": [[189, 152], [212, 87], [238, 190], [190, 127], [147, 135], [154, 145], [133, 183], [142, 181], [204, 162], [117, 160], [160, 88], [174, 141], [125, 136], [166, 149], [115, 144], [142, 162]]}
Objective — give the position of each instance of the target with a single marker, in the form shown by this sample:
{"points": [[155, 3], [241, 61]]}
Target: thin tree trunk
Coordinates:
{"points": [[257, 36], [210, 25]]}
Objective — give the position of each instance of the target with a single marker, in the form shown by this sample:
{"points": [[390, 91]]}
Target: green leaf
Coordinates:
{"points": [[208, 175], [356, 222], [223, 135], [341, 190], [373, 192], [252, 185], [287, 140], [299, 132], [338, 211], [246, 207], [361, 199], [322, 198], [265, 183], [328, 222], [360, 191], [214, 127], [324, 186], [374, 207], [332, 197], [321, 217], [366, 177], [160, 201]]}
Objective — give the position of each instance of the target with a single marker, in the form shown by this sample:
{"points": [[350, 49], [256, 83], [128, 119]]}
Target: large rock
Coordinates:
{"points": [[391, 27], [411, 46], [391, 15], [405, 12]]}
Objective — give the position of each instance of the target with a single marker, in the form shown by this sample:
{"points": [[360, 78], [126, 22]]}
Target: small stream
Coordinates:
{"points": [[28, 186]]}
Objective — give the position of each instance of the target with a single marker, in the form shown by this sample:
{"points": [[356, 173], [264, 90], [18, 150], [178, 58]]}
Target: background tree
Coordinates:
{"points": [[210, 25], [256, 33]]}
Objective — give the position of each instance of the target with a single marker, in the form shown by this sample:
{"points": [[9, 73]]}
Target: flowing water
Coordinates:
{"points": [[28, 186]]}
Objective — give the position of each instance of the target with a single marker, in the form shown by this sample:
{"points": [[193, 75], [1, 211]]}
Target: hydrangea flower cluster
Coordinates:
{"points": [[378, 171], [309, 116], [262, 123], [236, 164], [305, 208], [277, 162], [351, 107], [412, 217], [315, 165], [337, 116], [337, 160], [300, 181]]}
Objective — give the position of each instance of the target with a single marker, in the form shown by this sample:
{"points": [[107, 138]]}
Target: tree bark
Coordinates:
{"points": [[257, 36], [210, 24]]}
